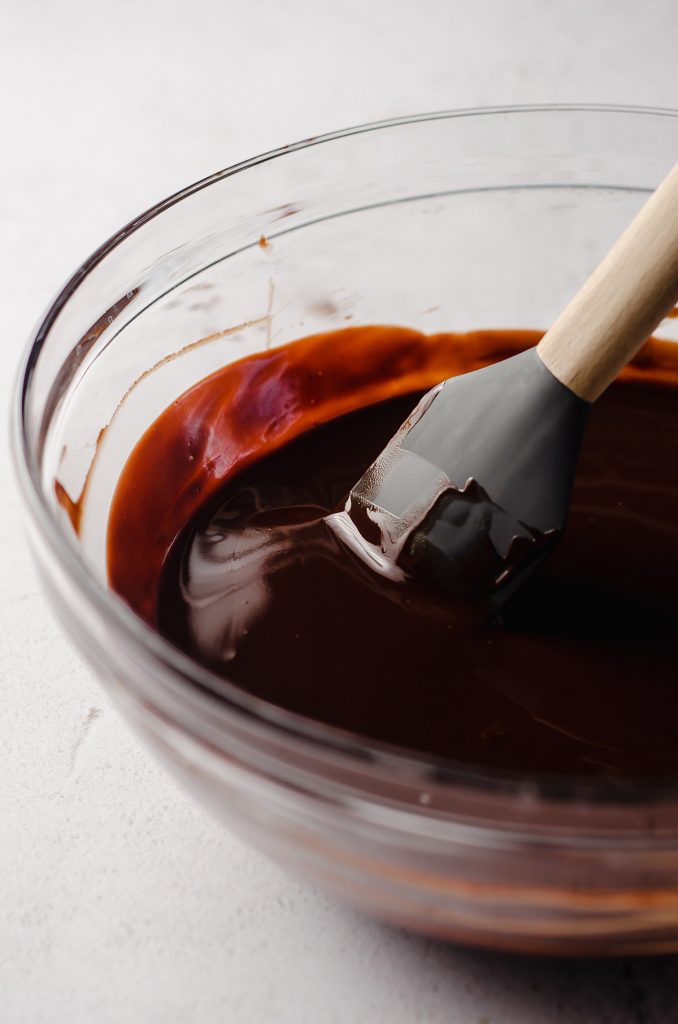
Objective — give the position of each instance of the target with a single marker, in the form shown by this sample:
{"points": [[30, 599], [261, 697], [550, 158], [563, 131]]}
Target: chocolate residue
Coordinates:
{"points": [[74, 507], [287, 210], [78, 353]]}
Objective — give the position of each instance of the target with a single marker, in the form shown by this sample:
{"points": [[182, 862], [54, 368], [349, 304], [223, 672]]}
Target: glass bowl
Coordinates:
{"points": [[455, 221]]}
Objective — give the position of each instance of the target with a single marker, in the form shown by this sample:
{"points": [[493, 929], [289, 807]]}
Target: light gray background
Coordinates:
{"points": [[120, 901]]}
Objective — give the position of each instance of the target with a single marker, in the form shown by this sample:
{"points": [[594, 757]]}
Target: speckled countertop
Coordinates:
{"points": [[121, 901]]}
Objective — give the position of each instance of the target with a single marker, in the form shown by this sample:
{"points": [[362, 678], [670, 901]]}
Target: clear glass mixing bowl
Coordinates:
{"points": [[485, 218]]}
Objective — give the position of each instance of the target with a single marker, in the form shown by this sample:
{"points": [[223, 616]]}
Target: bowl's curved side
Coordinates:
{"points": [[485, 859]]}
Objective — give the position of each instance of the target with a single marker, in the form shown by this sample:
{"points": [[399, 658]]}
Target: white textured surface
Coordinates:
{"points": [[121, 902]]}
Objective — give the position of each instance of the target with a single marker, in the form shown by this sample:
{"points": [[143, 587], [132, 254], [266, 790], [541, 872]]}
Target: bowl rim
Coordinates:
{"points": [[210, 688]]}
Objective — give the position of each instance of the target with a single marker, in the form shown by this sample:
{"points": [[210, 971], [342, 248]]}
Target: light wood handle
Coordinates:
{"points": [[621, 303]]}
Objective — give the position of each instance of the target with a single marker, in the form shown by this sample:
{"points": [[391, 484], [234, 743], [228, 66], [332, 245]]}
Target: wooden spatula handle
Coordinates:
{"points": [[621, 303]]}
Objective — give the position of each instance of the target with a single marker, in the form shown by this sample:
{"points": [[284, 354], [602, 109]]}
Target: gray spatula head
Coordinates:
{"points": [[474, 489]]}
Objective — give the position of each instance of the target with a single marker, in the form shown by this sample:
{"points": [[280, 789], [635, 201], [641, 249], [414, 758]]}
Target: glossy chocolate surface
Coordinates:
{"points": [[218, 535]]}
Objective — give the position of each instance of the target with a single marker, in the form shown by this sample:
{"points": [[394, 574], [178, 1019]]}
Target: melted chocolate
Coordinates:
{"points": [[218, 535]]}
